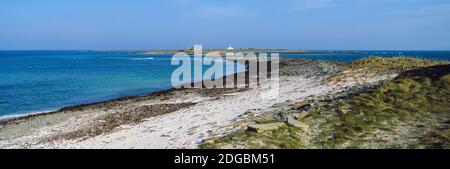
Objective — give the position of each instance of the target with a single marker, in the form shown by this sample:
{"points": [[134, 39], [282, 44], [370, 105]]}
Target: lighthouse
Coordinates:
{"points": [[230, 48]]}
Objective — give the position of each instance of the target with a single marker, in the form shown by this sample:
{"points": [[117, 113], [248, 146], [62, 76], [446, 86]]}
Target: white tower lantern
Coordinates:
{"points": [[230, 47]]}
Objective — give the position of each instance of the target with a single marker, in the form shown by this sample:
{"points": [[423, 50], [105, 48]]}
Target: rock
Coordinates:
{"points": [[295, 123], [301, 115], [321, 104], [344, 111], [264, 127], [164, 135], [209, 141], [329, 97], [300, 105], [264, 120], [280, 105]]}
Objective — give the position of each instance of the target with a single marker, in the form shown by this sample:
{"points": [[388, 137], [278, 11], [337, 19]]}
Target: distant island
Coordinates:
{"points": [[205, 51]]}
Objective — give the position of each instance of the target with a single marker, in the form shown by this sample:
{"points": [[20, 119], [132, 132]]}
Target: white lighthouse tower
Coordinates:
{"points": [[230, 48]]}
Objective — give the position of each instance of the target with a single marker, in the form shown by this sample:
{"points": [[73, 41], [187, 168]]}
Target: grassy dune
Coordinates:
{"points": [[416, 104], [397, 63], [411, 111]]}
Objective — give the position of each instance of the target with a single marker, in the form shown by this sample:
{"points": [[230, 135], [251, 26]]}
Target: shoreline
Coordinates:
{"points": [[70, 112], [173, 118], [7, 118], [211, 113]]}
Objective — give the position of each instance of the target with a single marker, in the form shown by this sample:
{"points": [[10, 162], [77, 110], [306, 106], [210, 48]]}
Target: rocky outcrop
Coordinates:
{"points": [[295, 123], [309, 68], [265, 127]]}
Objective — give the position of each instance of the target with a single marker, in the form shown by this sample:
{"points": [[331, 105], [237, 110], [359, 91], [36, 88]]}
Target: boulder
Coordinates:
{"points": [[300, 105], [295, 123], [344, 111], [280, 105], [209, 141], [264, 127], [301, 115]]}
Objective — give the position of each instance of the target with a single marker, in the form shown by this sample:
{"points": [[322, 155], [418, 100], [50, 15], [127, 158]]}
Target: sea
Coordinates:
{"points": [[42, 81]]}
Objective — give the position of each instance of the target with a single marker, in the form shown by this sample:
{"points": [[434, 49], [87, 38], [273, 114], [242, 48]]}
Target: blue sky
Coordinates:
{"points": [[173, 24]]}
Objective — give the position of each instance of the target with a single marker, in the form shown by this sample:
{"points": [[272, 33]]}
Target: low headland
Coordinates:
{"points": [[221, 51], [370, 103]]}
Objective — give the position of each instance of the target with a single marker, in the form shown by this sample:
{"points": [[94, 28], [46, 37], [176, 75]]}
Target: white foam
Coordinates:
{"points": [[13, 116], [149, 58]]}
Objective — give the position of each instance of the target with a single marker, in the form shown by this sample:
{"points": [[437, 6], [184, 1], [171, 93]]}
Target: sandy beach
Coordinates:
{"points": [[176, 118]]}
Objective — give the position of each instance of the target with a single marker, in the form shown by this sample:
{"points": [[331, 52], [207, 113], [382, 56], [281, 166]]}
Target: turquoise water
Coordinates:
{"points": [[36, 81]]}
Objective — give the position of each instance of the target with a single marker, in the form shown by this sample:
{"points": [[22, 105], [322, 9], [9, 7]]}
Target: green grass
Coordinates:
{"points": [[411, 111], [407, 100], [382, 66], [396, 63], [285, 138]]}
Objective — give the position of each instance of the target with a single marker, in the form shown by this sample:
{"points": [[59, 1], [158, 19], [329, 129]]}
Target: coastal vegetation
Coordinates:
{"points": [[393, 64], [410, 111]]}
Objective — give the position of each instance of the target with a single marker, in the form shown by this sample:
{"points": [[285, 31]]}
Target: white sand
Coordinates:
{"points": [[187, 127]]}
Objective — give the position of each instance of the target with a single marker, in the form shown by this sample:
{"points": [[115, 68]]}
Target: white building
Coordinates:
{"points": [[230, 47]]}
